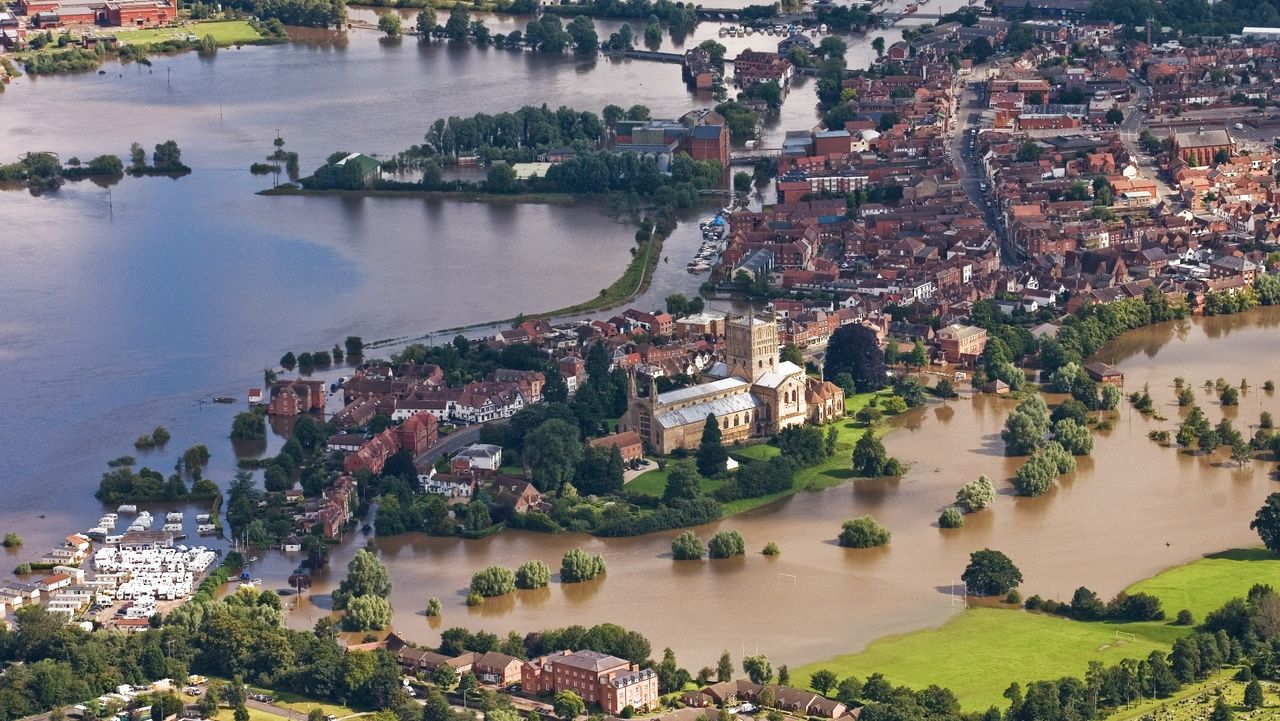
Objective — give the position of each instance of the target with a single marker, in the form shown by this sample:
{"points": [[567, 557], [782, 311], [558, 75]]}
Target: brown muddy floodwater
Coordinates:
{"points": [[1127, 512]]}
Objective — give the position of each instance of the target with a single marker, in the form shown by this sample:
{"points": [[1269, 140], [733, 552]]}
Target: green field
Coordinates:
{"points": [[1208, 583], [980, 652], [225, 32], [303, 704], [836, 470]]}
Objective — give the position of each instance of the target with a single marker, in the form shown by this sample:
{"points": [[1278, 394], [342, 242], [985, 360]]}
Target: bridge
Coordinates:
{"points": [[652, 55], [751, 157]]}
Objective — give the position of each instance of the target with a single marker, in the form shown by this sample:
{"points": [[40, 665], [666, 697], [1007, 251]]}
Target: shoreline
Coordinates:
{"points": [[459, 195]]}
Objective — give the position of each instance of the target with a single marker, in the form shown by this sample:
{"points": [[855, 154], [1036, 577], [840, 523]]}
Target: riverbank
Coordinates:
{"points": [[979, 652]]}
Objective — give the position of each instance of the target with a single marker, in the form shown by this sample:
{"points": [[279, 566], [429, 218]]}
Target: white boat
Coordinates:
{"points": [[822, 28], [174, 517], [172, 528], [206, 529], [97, 533], [107, 522], [128, 508], [113, 539], [136, 527], [202, 518], [255, 583]]}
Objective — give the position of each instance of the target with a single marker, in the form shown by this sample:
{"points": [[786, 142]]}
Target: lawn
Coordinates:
{"points": [[225, 32], [980, 652], [303, 704], [833, 472], [1206, 584]]}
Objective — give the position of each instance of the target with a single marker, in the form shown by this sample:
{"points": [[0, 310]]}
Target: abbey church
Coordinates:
{"points": [[754, 395]]}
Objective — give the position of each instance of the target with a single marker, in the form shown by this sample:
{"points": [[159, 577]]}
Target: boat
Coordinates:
{"points": [[202, 518], [127, 508], [724, 31], [173, 517], [113, 539], [823, 28], [206, 529], [97, 533], [911, 8], [172, 528], [223, 399], [252, 583]]}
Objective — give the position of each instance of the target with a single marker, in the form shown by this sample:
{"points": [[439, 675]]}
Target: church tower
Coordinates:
{"points": [[751, 346]]}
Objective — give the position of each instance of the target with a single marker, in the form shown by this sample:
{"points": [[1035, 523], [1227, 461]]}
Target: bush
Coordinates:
{"points": [[1033, 603], [493, 581], [726, 544], [1013, 597], [433, 607], [976, 494], [578, 565], [771, 549], [1184, 618], [863, 532], [951, 518], [532, 574], [12, 540], [687, 547], [474, 599]]}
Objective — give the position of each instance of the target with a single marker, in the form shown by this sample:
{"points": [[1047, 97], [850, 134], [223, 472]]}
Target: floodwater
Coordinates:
{"points": [[1131, 509]]}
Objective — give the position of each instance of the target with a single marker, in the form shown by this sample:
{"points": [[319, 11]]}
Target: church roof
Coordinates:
{"points": [[697, 413], [773, 379], [702, 389]]}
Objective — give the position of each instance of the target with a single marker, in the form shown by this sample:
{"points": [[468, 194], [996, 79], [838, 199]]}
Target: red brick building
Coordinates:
{"points": [[295, 397], [628, 444], [752, 67], [600, 679], [417, 433]]}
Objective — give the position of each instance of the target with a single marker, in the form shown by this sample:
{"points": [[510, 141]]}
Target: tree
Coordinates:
{"points": [[687, 547], [552, 451], [1115, 116], [458, 25], [493, 581], [878, 45], [990, 573], [568, 705], [758, 669], [1267, 523], [976, 495], [1029, 151], [683, 483], [389, 24], [1221, 711], [726, 544], [367, 613], [366, 576], [445, 676], [1253, 695], [863, 532], [354, 345], [433, 607], [713, 459], [742, 181], [533, 574], [1074, 437], [1026, 427], [248, 426], [870, 459], [724, 668], [425, 23], [578, 565], [822, 681], [583, 32], [501, 177], [854, 349], [1241, 452]]}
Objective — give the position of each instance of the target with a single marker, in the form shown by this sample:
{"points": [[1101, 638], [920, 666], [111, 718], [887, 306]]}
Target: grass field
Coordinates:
{"points": [[980, 652], [303, 704], [836, 470], [225, 32], [1206, 584]]}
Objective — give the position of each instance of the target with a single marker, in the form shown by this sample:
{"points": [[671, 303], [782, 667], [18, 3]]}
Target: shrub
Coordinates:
{"points": [[532, 574], [1033, 603], [771, 549], [474, 599], [1013, 597], [1184, 618], [951, 518], [578, 565], [493, 581], [726, 544], [12, 540], [433, 607], [976, 494], [687, 547], [863, 532]]}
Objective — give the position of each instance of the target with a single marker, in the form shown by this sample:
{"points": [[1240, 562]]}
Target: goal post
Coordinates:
{"points": [[1126, 636]]}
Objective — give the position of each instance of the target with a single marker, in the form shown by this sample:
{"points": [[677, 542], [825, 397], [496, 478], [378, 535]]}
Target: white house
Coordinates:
{"points": [[481, 456], [449, 486]]}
